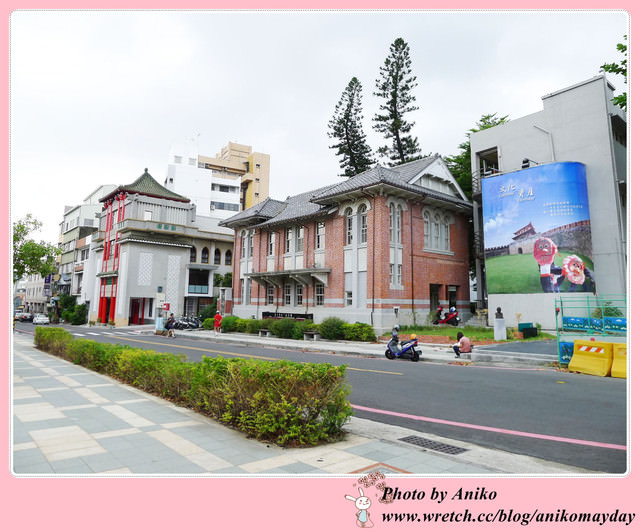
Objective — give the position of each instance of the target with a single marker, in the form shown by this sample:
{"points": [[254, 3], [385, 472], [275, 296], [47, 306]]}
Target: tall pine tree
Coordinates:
{"points": [[395, 86], [346, 128]]}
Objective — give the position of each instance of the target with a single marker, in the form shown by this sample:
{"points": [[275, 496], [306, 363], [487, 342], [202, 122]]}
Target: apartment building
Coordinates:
{"points": [[221, 186], [383, 247], [78, 223]]}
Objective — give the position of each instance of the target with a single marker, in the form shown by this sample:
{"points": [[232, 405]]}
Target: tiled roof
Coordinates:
{"points": [[264, 210], [321, 200], [147, 186], [398, 176], [297, 207]]}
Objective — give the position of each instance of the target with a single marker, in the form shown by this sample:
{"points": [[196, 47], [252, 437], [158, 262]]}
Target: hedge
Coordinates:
{"points": [[331, 328], [285, 402]]}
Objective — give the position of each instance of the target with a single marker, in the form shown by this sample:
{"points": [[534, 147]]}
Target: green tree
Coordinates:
{"points": [[29, 256], [460, 165], [346, 128], [619, 68], [394, 86]]}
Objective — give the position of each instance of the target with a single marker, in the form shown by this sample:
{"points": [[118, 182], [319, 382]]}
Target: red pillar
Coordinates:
{"points": [[112, 307]]}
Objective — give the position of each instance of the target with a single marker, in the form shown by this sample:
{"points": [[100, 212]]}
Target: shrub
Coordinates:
{"points": [[53, 340], [301, 327], [93, 355], [283, 328], [79, 315], [332, 329], [285, 402], [228, 323], [609, 311], [255, 325], [208, 324], [241, 325], [209, 311], [359, 332]]}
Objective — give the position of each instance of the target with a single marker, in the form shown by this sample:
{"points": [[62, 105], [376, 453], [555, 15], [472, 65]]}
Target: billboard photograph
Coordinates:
{"points": [[537, 230]]}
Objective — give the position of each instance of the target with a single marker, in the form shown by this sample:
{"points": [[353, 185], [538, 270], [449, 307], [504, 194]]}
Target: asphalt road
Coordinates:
{"points": [[574, 419]]}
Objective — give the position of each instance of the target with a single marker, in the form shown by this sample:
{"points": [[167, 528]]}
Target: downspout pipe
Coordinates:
{"points": [[553, 151]]}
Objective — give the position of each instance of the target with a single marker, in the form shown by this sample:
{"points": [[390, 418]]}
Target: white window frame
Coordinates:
{"points": [[320, 235], [288, 240], [299, 238], [362, 222], [348, 226], [299, 294], [272, 244], [270, 294], [287, 294], [319, 294]]}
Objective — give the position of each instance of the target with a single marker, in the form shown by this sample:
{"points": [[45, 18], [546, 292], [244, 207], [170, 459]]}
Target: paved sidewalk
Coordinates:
{"points": [[68, 420]]}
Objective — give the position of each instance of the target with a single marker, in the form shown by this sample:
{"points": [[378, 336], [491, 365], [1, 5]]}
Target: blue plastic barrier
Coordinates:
{"points": [[565, 352]]}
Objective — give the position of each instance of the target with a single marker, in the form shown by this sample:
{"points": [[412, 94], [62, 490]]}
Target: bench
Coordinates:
{"points": [[311, 335], [264, 332]]}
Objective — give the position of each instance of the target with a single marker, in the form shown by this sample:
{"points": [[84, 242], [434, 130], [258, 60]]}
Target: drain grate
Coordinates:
{"points": [[433, 445]]}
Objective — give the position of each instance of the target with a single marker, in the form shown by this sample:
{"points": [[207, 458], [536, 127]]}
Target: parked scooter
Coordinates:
{"points": [[405, 349], [449, 317]]}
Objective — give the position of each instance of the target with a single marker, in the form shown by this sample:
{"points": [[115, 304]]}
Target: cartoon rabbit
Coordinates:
{"points": [[362, 515]]}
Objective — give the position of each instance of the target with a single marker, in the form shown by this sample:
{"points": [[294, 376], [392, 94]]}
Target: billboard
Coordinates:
{"points": [[537, 230]]}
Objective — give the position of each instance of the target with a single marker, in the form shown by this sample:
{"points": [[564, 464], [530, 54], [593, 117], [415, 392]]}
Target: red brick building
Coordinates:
{"points": [[383, 247]]}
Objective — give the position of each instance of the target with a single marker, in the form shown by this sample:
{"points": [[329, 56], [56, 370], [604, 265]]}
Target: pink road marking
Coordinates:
{"points": [[494, 429]]}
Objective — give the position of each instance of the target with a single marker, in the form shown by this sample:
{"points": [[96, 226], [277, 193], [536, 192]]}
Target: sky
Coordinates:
{"points": [[98, 96]]}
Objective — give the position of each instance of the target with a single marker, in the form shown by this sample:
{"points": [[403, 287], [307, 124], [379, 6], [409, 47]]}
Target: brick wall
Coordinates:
{"points": [[420, 269]]}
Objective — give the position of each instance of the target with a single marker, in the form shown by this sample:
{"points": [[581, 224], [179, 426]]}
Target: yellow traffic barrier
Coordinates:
{"points": [[619, 366], [592, 358]]}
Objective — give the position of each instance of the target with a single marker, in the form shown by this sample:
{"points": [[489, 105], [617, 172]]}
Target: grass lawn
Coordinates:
{"points": [[473, 333], [519, 274]]}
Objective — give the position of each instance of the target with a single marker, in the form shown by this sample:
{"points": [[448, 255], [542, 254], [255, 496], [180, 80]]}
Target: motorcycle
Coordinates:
{"points": [[447, 318], [405, 349]]}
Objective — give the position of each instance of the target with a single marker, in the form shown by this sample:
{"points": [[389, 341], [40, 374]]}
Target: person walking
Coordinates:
{"points": [[463, 345], [170, 325], [217, 323]]}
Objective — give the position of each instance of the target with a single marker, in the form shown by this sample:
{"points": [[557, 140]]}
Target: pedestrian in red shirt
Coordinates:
{"points": [[217, 323]]}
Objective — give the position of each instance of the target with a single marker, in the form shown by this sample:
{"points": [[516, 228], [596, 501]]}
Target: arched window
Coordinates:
{"points": [[426, 218], [362, 222], [436, 232], [205, 255], [216, 256], [395, 224], [348, 214], [243, 245], [446, 244], [192, 257], [392, 215], [227, 258]]}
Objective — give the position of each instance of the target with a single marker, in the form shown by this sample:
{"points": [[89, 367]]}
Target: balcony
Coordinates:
{"points": [[197, 289]]}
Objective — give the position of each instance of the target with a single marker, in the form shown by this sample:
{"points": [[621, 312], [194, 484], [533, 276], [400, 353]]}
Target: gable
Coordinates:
{"points": [[438, 178]]}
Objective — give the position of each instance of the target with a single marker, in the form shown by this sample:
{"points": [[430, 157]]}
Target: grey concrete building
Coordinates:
{"points": [[577, 124]]}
